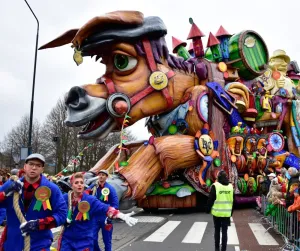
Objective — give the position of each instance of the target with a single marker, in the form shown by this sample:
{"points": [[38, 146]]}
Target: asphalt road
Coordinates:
{"points": [[193, 231], [186, 230]]}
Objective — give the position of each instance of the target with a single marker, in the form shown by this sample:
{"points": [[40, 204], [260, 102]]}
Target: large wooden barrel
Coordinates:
{"points": [[249, 53]]}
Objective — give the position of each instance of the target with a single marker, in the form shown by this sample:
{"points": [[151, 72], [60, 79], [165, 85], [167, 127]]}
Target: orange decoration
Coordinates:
{"points": [[276, 75], [233, 158]]}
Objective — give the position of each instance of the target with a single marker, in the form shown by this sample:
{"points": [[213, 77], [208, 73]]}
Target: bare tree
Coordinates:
{"points": [[57, 142], [18, 137]]}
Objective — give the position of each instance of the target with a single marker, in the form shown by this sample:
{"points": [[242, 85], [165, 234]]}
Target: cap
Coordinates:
{"points": [[36, 156], [272, 175], [14, 171], [104, 171]]}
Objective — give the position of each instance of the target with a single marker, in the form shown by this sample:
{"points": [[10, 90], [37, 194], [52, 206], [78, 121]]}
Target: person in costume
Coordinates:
{"points": [[41, 203], [108, 195], [220, 205], [82, 212], [293, 179]]}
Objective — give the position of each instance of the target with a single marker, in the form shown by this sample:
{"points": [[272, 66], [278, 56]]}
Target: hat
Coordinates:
{"points": [[14, 171], [272, 175], [36, 156], [280, 53], [104, 171], [123, 26]]}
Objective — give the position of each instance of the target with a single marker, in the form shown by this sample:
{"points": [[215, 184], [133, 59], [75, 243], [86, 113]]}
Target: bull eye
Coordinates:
{"points": [[123, 62]]}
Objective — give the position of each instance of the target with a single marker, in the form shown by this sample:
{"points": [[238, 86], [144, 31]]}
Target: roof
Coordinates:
{"points": [[222, 32], [195, 32], [212, 40], [176, 43]]}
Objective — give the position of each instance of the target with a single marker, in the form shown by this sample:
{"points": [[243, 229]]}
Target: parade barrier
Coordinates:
{"points": [[284, 223]]}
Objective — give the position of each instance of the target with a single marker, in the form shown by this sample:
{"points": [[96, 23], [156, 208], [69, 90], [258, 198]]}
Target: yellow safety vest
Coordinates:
{"points": [[224, 200]]}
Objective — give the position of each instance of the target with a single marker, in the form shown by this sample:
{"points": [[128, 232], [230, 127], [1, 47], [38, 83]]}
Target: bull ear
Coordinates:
{"points": [[63, 39]]}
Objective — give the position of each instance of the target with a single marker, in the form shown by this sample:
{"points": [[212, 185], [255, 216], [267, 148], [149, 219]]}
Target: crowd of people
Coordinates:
{"points": [[281, 189], [81, 213]]}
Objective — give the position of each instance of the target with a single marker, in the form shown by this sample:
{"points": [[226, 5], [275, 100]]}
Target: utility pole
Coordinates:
{"points": [[33, 83], [11, 156], [56, 140]]}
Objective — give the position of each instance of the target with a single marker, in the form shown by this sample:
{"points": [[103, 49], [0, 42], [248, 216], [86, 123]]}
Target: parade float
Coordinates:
{"points": [[229, 106]]}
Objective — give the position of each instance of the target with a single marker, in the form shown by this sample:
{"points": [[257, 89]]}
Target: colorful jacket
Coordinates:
{"points": [[80, 230], [296, 205], [38, 239]]}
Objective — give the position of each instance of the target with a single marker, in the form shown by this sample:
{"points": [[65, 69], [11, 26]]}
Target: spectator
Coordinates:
{"points": [[264, 186], [21, 173], [293, 177]]}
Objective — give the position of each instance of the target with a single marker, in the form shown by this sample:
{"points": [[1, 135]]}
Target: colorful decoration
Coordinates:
{"points": [[83, 208], [179, 48], [196, 34], [276, 141], [104, 194], [42, 195], [205, 147], [236, 89], [172, 129], [224, 36], [248, 52], [214, 44]]}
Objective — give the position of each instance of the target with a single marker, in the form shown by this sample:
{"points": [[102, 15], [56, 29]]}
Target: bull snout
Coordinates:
{"points": [[77, 98]]}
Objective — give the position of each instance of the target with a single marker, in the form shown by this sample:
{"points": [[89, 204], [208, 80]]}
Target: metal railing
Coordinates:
{"points": [[282, 222]]}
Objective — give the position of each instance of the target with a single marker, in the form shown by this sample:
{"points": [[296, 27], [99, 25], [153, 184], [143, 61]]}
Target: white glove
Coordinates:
{"points": [[130, 221]]}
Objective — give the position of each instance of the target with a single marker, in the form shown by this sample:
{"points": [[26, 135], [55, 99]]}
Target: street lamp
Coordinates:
{"points": [[55, 139], [33, 83]]}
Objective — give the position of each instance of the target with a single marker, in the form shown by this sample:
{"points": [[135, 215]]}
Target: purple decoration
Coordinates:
{"points": [[245, 200], [201, 71]]}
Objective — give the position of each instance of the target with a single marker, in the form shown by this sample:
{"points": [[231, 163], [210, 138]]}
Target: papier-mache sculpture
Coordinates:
{"points": [[225, 107]]}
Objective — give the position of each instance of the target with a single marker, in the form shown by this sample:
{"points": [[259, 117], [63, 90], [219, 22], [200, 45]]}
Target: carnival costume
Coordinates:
{"points": [[43, 207], [78, 234], [107, 194]]}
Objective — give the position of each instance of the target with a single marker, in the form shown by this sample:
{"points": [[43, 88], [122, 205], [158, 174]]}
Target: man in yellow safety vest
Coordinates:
{"points": [[220, 204]]}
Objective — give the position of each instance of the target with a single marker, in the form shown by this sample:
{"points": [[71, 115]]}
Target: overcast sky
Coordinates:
{"points": [[276, 21]]}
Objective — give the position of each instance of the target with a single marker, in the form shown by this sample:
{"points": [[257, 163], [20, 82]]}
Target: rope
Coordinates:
{"points": [[94, 189], [20, 215]]}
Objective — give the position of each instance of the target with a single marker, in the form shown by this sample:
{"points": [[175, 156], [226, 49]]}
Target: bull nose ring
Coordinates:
{"points": [[118, 104]]}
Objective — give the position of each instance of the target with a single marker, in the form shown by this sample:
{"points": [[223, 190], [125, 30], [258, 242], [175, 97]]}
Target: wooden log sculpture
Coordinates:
{"points": [[179, 95]]}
